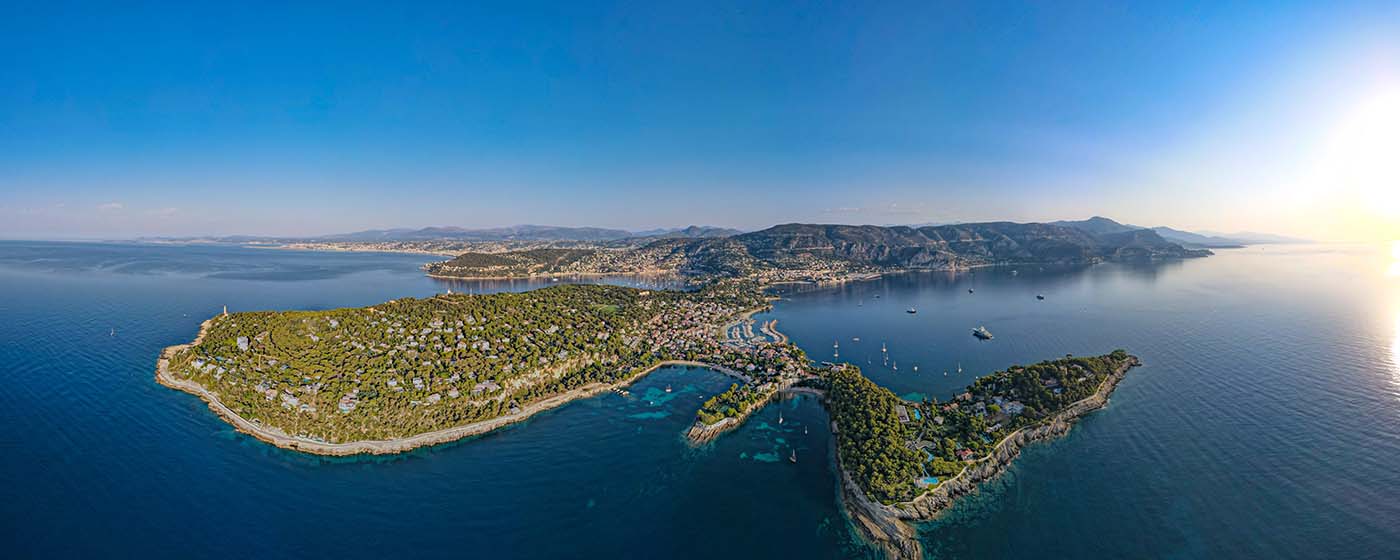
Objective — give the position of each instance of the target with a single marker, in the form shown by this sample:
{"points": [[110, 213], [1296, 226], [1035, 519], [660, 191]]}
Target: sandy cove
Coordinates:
{"points": [[281, 439]]}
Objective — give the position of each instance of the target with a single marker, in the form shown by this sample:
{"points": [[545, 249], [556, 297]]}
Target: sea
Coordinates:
{"points": [[1264, 423]]}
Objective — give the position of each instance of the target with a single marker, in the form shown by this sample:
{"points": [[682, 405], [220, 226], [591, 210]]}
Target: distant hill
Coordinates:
{"points": [[1256, 238], [689, 232], [945, 245], [1192, 239], [524, 233], [837, 248], [1096, 225], [512, 233], [1102, 225]]}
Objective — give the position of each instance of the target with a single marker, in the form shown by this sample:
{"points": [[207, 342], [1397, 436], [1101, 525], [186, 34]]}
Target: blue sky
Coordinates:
{"points": [[266, 119]]}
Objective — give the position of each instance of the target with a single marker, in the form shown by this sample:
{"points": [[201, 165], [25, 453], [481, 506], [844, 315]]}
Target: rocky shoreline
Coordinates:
{"points": [[700, 433], [888, 526]]}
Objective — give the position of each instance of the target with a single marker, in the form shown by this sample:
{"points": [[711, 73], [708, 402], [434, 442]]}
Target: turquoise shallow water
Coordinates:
{"points": [[99, 461], [1264, 424]]}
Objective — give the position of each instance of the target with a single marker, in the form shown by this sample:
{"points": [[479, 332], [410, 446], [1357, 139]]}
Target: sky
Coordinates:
{"points": [[126, 119]]}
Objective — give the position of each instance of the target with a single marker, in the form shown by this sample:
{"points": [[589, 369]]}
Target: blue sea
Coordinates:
{"points": [[1265, 422]]}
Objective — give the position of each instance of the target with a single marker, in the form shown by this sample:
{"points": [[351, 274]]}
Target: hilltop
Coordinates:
{"points": [[1102, 225]]}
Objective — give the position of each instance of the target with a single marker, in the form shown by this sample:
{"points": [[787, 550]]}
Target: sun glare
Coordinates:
{"points": [[1362, 157], [1394, 269], [1395, 348]]}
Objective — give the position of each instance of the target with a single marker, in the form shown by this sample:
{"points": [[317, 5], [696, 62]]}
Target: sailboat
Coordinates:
{"points": [[780, 417], [959, 367], [804, 430], [113, 333], [895, 366], [882, 347], [916, 367], [793, 458]]}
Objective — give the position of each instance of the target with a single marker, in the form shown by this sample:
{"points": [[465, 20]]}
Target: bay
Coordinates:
{"points": [[1265, 423]]}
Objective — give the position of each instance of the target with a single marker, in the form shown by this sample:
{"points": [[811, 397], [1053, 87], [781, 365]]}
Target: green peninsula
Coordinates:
{"points": [[905, 461], [411, 372]]}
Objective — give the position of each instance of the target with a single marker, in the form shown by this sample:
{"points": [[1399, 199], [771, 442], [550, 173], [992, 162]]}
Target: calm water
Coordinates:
{"points": [[1265, 424]]}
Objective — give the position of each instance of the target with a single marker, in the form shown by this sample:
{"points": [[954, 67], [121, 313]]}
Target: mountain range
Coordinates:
{"points": [[836, 249], [1095, 226]]}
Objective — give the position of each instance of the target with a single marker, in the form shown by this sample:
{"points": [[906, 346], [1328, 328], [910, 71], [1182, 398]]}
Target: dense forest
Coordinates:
{"points": [[888, 446], [995, 405], [874, 445], [411, 366]]}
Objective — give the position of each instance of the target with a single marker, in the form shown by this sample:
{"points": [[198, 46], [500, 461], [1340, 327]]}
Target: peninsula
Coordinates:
{"points": [[414, 372], [903, 461]]}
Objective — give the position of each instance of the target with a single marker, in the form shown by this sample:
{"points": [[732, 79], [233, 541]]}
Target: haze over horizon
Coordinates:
{"points": [[119, 122]]}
